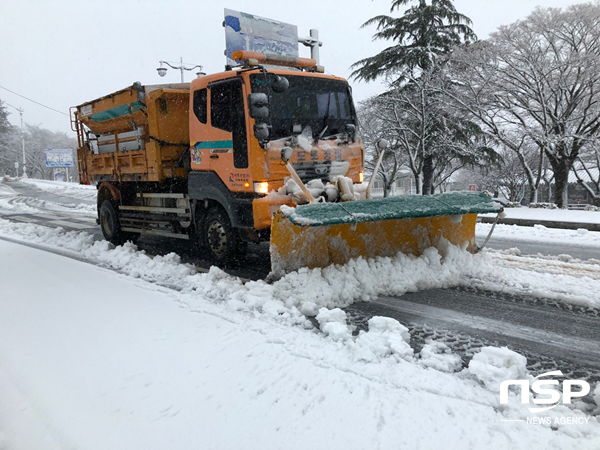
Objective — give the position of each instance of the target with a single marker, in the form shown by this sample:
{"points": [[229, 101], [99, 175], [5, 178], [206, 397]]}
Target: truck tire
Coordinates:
{"points": [[220, 239], [111, 227]]}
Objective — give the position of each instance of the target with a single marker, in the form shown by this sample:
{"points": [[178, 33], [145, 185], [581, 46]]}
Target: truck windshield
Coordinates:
{"points": [[322, 104]]}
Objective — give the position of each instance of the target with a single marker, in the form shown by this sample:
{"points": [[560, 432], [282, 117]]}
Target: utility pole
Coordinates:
{"points": [[23, 143], [22, 139]]}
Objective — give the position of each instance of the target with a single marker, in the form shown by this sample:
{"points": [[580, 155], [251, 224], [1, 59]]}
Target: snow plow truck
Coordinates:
{"points": [[269, 150]]}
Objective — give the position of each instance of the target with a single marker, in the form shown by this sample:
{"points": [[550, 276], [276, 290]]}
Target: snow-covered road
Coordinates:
{"points": [[154, 354], [90, 359]]}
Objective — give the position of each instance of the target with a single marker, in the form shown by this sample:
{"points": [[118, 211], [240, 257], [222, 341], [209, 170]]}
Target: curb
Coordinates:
{"points": [[545, 223]]}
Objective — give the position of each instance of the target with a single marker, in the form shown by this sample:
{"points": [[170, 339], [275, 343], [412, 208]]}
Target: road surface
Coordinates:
{"points": [[551, 335]]}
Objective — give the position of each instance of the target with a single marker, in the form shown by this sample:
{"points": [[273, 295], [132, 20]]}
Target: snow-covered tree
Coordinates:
{"points": [[587, 170], [536, 82], [6, 134], [424, 32], [373, 127], [37, 140], [424, 133], [427, 137]]}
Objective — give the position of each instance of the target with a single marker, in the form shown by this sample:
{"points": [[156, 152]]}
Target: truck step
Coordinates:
{"points": [[156, 232], [155, 209]]}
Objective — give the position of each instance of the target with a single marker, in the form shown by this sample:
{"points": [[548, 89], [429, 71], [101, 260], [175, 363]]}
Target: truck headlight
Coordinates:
{"points": [[261, 188]]}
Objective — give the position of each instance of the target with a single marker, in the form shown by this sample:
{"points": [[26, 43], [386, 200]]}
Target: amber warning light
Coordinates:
{"points": [[256, 58]]}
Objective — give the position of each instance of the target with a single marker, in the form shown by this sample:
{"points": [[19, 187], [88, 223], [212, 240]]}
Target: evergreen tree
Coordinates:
{"points": [[4, 123], [423, 33], [5, 130]]}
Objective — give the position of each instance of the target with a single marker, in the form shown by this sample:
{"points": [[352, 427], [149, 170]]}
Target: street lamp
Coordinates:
{"points": [[22, 138], [162, 71]]}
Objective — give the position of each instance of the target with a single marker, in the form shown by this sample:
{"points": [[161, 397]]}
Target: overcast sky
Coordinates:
{"points": [[62, 53]]}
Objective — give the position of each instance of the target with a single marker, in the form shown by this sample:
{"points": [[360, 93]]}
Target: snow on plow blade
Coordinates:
{"points": [[333, 233]]}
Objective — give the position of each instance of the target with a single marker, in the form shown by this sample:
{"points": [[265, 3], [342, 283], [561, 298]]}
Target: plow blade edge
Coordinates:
{"points": [[334, 233]]}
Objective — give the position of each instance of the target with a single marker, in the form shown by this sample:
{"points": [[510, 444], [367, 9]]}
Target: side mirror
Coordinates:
{"points": [[259, 105], [286, 154], [351, 131], [280, 84], [261, 132]]}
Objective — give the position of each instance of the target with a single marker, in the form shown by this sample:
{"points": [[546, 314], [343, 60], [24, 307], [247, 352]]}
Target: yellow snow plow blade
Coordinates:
{"points": [[333, 233]]}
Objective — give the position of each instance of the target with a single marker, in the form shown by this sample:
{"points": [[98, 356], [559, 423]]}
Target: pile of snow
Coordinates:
{"points": [[439, 356], [386, 338], [305, 291], [492, 365], [543, 205], [333, 323]]}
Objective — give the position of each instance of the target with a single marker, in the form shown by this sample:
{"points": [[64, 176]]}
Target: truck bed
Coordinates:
{"points": [[139, 133]]}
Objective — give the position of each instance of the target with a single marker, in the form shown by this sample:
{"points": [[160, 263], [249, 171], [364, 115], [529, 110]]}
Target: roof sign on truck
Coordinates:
{"points": [[254, 33]]}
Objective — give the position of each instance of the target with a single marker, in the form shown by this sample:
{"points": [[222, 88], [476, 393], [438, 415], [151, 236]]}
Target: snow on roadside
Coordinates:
{"points": [[381, 355], [541, 234], [65, 189], [157, 377], [304, 292], [14, 203], [557, 278], [558, 215]]}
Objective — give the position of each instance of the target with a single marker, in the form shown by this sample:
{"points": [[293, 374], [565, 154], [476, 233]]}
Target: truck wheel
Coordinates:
{"points": [[111, 228], [221, 240]]}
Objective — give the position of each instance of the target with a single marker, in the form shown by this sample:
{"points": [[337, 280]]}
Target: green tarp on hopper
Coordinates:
{"points": [[400, 207]]}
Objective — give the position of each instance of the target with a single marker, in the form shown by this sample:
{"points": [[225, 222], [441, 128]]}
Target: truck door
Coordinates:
{"points": [[227, 113]]}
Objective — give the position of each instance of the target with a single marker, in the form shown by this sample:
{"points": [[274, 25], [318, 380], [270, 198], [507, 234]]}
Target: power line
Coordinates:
{"points": [[37, 103]]}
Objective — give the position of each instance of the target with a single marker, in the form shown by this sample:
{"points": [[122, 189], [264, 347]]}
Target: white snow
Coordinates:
{"points": [[541, 234], [493, 365], [439, 356], [153, 354], [94, 359], [73, 190], [332, 323], [12, 203], [559, 215]]}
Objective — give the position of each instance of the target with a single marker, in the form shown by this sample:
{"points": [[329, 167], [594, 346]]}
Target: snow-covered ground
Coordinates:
{"points": [[12, 203], [73, 190], [95, 359], [154, 354], [558, 215]]}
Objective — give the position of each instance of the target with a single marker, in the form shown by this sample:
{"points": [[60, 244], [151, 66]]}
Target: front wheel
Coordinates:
{"points": [[111, 227], [222, 242]]}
